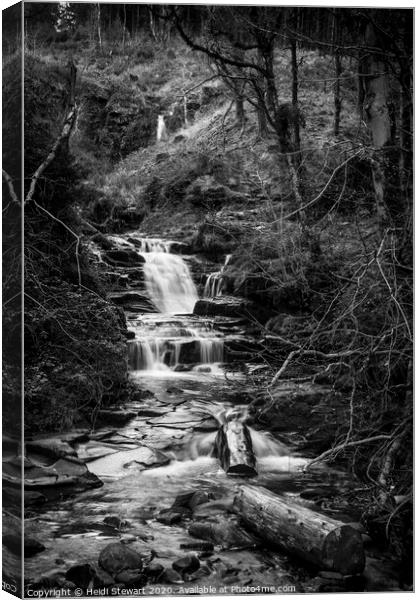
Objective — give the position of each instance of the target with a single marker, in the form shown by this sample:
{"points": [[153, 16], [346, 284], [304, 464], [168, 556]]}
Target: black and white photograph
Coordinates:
{"points": [[207, 299]]}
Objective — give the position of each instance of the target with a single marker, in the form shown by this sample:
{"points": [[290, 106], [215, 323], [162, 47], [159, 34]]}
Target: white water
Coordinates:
{"points": [[214, 283], [169, 283]]}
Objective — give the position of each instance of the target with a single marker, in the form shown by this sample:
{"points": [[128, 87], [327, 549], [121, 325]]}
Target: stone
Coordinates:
{"points": [[200, 546], [169, 517], [81, 575], [131, 577], [186, 564], [69, 473], [116, 522], [154, 571], [117, 557], [123, 258], [224, 306], [52, 447], [14, 543], [180, 368], [191, 500], [171, 576]]}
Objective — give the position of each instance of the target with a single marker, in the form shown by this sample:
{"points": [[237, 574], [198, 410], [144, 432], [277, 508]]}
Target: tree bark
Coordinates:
{"points": [[295, 85], [376, 109], [316, 538], [233, 448]]}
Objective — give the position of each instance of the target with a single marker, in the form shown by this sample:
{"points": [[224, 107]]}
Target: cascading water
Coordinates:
{"points": [[166, 342], [169, 283], [214, 283]]}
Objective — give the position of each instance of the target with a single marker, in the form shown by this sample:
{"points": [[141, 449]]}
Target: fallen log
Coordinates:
{"points": [[316, 538], [233, 448]]}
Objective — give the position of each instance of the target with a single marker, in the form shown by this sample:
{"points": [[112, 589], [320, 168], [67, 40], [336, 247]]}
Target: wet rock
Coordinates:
{"points": [[14, 543], [128, 539], [171, 576], [53, 448], [152, 412], [132, 301], [170, 517], [154, 571], [203, 571], [182, 368], [116, 522], [103, 579], [66, 473], [131, 577], [13, 497], [186, 564], [225, 306], [123, 258], [116, 557], [82, 575], [173, 390], [190, 353], [203, 369], [130, 335], [191, 499], [200, 546], [209, 424], [114, 417]]}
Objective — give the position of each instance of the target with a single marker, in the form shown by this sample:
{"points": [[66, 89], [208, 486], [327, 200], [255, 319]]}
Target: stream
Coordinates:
{"points": [[187, 388]]}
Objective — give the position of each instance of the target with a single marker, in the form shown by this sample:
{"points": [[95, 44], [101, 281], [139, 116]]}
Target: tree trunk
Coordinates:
{"points": [[98, 25], [337, 93], [406, 137], [295, 86], [233, 448], [316, 538], [376, 109]]}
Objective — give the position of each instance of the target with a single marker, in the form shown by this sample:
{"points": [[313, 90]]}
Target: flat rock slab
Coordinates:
{"points": [[226, 306], [114, 417], [52, 447], [64, 472], [119, 464]]}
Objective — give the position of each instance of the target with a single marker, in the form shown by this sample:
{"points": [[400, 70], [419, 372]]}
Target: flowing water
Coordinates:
{"points": [[180, 360]]}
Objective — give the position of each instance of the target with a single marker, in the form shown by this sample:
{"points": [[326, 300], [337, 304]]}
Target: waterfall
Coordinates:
{"points": [[214, 283], [169, 283], [154, 245], [163, 341], [211, 350]]}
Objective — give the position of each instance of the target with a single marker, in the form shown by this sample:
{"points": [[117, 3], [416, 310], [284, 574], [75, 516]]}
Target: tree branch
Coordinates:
{"points": [[64, 134], [11, 187]]}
